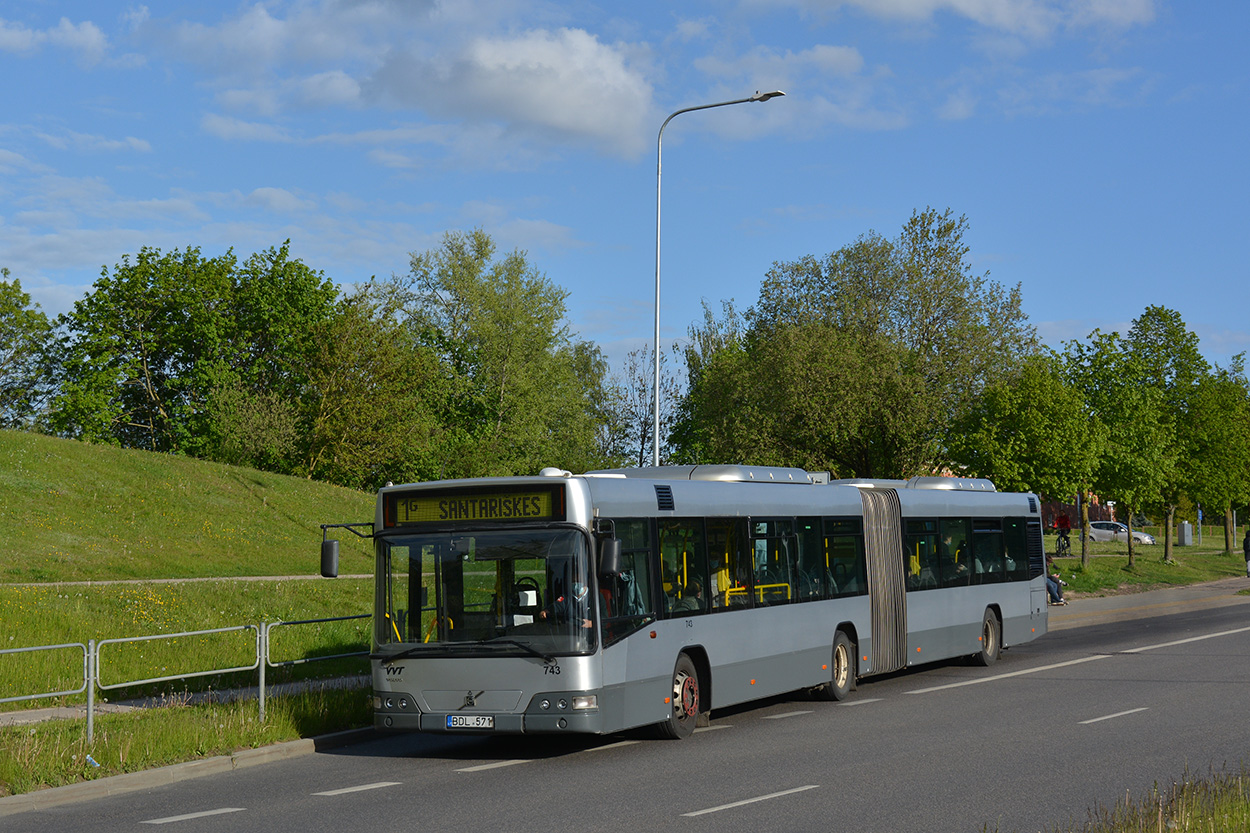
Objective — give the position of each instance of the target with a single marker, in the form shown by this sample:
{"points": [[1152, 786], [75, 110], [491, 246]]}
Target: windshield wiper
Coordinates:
{"points": [[420, 649], [529, 649], [453, 647]]}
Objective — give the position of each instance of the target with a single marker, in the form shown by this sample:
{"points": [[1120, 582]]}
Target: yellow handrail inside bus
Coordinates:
{"points": [[434, 627]]}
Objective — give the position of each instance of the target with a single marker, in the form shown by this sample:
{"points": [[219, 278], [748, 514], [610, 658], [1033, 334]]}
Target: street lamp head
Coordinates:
{"points": [[759, 96]]}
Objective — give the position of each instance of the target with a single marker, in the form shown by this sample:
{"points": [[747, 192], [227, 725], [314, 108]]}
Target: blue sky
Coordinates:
{"points": [[1097, 147]]}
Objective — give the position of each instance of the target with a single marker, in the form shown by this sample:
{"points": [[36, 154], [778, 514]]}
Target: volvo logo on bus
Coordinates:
{"points": [[470, 699]]}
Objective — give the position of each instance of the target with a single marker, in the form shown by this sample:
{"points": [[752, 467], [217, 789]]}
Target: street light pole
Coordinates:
{"points": [[659, 141]]}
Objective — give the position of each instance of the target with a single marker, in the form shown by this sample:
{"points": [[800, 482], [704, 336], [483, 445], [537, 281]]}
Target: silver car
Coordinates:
{"points": [[1113, 531]]}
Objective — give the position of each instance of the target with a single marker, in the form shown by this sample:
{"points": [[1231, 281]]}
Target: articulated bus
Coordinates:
{"points": [[616, 599]]}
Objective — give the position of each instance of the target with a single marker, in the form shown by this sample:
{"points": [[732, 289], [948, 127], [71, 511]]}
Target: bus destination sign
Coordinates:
{"points": [[457, 508]]}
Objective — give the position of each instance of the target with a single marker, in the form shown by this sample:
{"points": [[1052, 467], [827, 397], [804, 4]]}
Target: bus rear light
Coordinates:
{"points": [[586, 701]]}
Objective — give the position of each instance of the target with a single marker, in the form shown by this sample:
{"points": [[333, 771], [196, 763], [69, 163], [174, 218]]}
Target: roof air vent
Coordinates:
{"points": [[1032, 505], [664, 498]]}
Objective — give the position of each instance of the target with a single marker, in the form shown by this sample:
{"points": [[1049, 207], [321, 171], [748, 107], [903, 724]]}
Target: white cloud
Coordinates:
{"points": [[279, 200], [224, 127], [563, 83], [328, 89], [91, 142], [1032, 19], [84, 38], [14, 37]]}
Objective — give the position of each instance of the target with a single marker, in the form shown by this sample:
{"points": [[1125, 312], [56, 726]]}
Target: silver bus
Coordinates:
{"points": [[615, 599]]}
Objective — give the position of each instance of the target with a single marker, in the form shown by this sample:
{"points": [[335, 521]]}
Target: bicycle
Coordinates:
{"points": [[1063, 547]]}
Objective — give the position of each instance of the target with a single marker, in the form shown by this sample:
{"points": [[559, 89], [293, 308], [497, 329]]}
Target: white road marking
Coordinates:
{"points": [[713, 728], [1078, 662], [980, 680], [845, 703], [1117, 714], [614, 745], [752, 800], [1185, 641], [495, 765], [200, 815], [360, 789], [784, 716]]}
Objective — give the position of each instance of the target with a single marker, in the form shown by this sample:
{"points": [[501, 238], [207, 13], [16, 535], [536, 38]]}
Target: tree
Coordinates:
{"points": [[1169, 360], [1219, 419], [145, 353], [373, 395], [633, 416], [1139, 460], [521, 391], [24, 336], [862, 361], [1030, 433]]}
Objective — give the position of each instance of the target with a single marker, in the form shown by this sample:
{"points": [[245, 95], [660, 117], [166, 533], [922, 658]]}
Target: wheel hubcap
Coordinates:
{"points": [[686, 696]]}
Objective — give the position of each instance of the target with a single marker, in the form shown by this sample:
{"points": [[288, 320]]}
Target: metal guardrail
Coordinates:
{"points": [[86, 661], [91, 662], [267, 628]]}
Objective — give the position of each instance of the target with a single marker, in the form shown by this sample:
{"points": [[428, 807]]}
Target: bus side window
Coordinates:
{"points": [[814, 576], [626, 597], [683, 558], [774, 551], [729, 576], [989, 565], [844, 557], [921, 567], [1015, 537]]}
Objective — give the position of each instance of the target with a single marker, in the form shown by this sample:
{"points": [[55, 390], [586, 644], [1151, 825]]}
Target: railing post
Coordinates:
{"points": [[264, 660], [91, 674]]}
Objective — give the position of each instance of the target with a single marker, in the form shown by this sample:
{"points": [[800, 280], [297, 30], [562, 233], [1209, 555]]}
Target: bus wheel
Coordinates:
{"points": [[842, 673], [685, 711], [991, 640]]}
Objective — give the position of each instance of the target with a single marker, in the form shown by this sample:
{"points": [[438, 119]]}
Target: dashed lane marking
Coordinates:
{"points": [[200, 815], [360, 789], [746, 801]]}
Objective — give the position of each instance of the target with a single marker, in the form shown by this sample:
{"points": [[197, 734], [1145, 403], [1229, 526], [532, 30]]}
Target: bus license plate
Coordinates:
{"points": [[470, 721]]}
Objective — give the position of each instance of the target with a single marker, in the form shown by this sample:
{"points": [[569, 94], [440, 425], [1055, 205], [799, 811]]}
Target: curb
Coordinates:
{"points": [[132, 781]]}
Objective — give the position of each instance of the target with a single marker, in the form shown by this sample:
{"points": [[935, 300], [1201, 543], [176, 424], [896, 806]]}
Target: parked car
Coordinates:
{"points": [[1113, 531]]}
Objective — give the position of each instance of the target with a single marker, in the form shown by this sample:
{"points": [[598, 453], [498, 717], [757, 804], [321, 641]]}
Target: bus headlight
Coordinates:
{"points": [[586, 701]]}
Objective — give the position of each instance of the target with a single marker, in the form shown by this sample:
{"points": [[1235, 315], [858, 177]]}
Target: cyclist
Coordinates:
{"points": [[1063, 526]]}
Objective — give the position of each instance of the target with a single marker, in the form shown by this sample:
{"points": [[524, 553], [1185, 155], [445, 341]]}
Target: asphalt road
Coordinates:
{"points": [[1056, 728]]}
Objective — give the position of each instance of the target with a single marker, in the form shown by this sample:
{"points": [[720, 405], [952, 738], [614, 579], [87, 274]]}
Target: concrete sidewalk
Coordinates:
{"points": [[1092, 610]]}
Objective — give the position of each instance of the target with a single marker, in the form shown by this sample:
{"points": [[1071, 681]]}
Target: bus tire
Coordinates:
{"points": [[841, 671], [685, 705], [991, 640]]}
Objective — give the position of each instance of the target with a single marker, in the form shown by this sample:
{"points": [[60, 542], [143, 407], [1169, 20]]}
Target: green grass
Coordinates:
{"points": [[57, 614], [1220, 802], [1108, 573], [54, 753], [74, 512], [78, 512]]}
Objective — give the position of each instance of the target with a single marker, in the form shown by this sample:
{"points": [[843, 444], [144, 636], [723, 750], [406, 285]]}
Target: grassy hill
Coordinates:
{"points": [[71, 511]]}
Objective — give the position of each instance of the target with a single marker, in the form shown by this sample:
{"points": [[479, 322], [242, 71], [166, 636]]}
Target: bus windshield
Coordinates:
{"points": [[518, 591]]}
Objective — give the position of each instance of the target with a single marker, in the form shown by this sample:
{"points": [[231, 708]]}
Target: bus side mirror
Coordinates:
{"points": [[609, 556], [330, 559]]}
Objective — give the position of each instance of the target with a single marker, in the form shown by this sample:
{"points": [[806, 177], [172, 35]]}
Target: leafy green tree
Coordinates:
{"points": [[521, 391], [130, 348], [1219, 419], [1030, 432], [24, 337], [861, 361], [1169, 360], [1139, 459], [168, 342], [373, 395]]}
